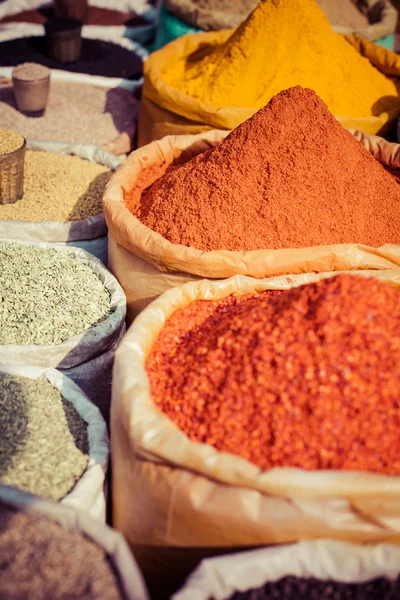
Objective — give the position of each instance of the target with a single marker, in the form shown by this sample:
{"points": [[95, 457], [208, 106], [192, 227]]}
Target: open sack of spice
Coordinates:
{"points": [[117, 58], [370, 19], [53, 551], [54, 441], [133, 19], [61, 308], [255, 412], [81, 109], [305, 571], [220, 79], [62, 201], [288, 191]]}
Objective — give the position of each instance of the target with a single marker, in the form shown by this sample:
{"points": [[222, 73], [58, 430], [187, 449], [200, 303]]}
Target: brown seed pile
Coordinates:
{"points": [[306, 379], [58, 188], [30, 72], [75, 113], [43, 440], [40, 560], [9, 141]]}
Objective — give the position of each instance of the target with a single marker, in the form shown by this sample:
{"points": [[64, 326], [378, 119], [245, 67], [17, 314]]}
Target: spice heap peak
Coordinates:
{"points": [[308, 378], [290, 176], [284, 43]]}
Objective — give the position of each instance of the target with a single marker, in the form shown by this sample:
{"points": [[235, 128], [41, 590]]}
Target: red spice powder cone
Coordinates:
{"points": [[289, 177]]}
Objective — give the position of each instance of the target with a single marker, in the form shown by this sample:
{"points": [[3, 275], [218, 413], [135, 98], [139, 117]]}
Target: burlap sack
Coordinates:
{"points": [[90, 233], [177, 501], [114, 545], [86, 358], [146, 264], [167, 111], [219, 578], [346, 17], [88, 493], [214, 16]]}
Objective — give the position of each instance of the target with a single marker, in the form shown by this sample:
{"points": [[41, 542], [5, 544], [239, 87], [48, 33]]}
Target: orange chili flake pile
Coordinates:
{"points": [[306, 378]]}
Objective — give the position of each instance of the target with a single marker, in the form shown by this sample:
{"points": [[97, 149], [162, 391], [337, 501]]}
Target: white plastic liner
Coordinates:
{"points": [[219, 578]]}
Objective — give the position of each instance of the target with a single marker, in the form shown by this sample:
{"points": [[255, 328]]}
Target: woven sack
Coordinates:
{"points": [[86, 358], [177, 501], [146, 264], [88, 493], [90, 233], [220, 578], [112, 542], [165, 110], [347, 17]]}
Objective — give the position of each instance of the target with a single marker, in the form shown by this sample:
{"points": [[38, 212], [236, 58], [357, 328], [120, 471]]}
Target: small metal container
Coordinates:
{"points": [[12, 175], [64, 39], [78, 9], [31, 96]]}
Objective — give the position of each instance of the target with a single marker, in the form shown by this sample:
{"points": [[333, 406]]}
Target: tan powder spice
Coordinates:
{"points": [[30, 72], [9, 141], [58, 188]]}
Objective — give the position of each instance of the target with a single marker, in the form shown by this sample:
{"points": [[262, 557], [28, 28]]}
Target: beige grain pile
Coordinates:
{"points": [[58, 188], [75, 113], [9, 141]]}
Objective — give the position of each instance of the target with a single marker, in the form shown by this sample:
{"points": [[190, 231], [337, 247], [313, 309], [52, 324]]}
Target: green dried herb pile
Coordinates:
{"points": [[43, 439], [47, 297]]}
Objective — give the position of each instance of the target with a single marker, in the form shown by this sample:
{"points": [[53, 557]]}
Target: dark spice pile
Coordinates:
{"points": [[306, 379], [97, 57], [298, 588], [289, 177], [40, 560]]}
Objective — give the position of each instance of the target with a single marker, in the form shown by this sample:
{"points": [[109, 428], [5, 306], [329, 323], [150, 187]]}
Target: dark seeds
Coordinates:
{"points": [[97, 57], [294, 588]]}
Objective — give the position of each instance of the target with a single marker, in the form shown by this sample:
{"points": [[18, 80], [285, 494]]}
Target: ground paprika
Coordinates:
{"points": [[290, 176], [305, 378]]}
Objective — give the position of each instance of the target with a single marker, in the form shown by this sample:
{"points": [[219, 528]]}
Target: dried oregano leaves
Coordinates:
{"points": [[43, 439], [47, 297]]}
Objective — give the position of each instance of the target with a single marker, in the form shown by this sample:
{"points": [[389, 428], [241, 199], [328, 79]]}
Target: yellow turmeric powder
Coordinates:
{"points": [[284, 43]]}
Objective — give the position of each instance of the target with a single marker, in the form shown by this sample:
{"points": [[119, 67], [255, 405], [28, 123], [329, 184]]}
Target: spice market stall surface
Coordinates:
{"points": [[68, 463], [219, 79], [304, 571], [55, 552], [61, 309], [63, 188], [171, 502], [256, 226]]}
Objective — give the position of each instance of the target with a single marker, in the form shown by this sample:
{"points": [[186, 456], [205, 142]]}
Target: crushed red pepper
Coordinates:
{"points": [[307, 379]]}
